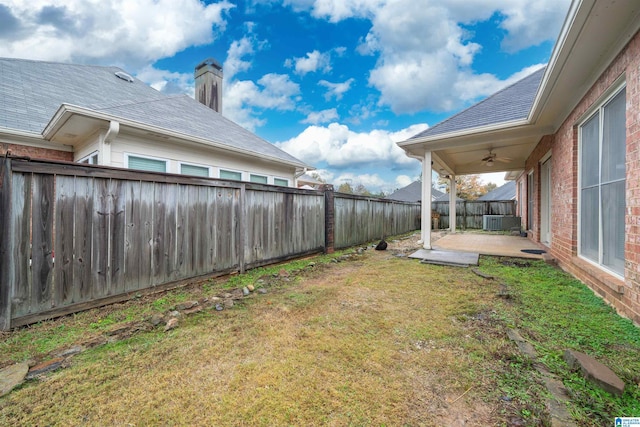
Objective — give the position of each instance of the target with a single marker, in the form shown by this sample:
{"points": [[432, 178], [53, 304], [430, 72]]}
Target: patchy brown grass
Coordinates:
{"points": [[380, 340]]}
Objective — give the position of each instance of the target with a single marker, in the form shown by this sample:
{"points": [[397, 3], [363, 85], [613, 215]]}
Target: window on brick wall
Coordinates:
{"points": [[602, 180]]}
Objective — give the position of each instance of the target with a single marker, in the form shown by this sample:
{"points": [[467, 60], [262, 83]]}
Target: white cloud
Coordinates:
{"points": [[310, 63], [235, 63], [426, 55], [336, 90], [243, 99], [167, 81], [339, 147], [123, 32], [323, 116], [403, 180]]}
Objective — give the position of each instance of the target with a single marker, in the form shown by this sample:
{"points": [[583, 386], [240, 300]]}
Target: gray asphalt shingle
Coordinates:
{"points": [[32, 91], [511, 103]]}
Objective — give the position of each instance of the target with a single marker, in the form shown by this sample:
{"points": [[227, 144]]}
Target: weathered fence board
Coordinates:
{"points": [[360, 219], [469, 213], [76, 236]]}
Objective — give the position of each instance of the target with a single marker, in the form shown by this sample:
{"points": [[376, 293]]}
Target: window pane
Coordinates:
{"points": [[614, 139], [589, 153], [589, 228], [194, 170], [613, 211], [142, 163], [282, 182], [230, 175], [258, 178]]}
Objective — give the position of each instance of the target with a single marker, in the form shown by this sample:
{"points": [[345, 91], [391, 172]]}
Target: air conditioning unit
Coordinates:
{"points": [[500, 222]]}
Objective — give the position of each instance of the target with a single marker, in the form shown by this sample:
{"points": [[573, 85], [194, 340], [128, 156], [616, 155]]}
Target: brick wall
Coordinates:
{"points": [[35, 152], [624, 295]]}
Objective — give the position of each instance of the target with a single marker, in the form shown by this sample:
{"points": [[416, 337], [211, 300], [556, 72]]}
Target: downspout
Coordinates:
{"points": [[105, 144], [297, 175]]}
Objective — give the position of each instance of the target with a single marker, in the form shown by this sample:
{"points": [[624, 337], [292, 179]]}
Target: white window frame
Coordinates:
{"points": [[87, 159], [208, 168], [220, 170], [283, 179], [598, 107], [143, 156], [266, 178]]}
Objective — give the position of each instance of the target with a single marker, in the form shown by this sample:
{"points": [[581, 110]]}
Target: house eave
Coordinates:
{"points": [[32, 139], [67, 111]]}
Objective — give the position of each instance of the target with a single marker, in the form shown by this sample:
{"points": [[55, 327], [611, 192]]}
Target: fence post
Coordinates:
{"points": [[242, 233], [329, 218], [6, 245]]}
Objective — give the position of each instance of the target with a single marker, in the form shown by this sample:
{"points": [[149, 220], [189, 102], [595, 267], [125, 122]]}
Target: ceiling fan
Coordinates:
{"points": [[492, 157]]}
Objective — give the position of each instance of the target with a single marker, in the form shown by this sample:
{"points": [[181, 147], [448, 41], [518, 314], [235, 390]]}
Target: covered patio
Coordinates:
{"points": [[464, 248]]}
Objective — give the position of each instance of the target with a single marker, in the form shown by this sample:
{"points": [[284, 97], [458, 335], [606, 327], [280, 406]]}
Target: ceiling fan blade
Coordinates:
{"points": [[503, 159]]}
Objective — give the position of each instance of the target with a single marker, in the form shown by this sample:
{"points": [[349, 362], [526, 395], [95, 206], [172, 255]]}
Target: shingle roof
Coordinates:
{"points": [[511, 103], [411, 193], [32, 91], [504, 192]]}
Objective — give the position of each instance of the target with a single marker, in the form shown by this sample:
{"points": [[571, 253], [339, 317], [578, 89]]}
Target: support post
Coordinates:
{"points": [[426, 201], [242, 233], [453, 194]]}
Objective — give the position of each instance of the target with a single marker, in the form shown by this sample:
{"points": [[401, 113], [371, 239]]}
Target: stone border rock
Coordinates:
{"points": [[557, 404]]}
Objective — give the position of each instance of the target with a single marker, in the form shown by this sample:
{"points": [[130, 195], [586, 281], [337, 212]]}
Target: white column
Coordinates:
{"points": [[453, 194], [426, 200]]}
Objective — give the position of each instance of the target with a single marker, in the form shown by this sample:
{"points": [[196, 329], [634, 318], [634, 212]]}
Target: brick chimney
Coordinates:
{"points": [[208, 75]]}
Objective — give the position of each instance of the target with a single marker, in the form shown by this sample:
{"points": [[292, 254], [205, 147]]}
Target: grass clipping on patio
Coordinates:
{"points": [[377, 340]]}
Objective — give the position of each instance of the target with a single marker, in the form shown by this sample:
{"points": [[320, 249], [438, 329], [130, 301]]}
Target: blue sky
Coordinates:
{"points": [[335, 83]]}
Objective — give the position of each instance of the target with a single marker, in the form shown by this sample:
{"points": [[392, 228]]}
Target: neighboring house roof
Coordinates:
{"points": [[412, 193], [33, 92], [511, 103], [504, 192], [444, 197]]}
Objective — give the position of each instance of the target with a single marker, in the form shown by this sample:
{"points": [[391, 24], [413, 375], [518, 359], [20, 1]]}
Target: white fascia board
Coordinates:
{"points": [[577, 15], [32, 139], [66, 111]]}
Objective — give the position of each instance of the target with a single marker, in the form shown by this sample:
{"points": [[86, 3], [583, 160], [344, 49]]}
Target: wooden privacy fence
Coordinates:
{"points": [[469, 213], [361, 219], [75, 237]]}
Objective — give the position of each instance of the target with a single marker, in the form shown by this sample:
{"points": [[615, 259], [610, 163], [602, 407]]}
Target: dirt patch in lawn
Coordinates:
{"points": [[371, 339]]}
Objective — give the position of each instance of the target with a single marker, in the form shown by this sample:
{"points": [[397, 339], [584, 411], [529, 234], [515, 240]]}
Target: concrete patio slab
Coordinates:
{"points": [[488, 244], [452, 258]]}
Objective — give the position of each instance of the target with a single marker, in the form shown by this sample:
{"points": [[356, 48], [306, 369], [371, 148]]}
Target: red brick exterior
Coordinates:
{"points": [[624, 295], [35, 152]]}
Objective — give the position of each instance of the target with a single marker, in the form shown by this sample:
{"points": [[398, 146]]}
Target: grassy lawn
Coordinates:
{"points": [[372, 340]]}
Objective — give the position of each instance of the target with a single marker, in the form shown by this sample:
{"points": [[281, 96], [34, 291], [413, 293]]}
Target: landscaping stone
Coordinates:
{"points": [[171, 324], [251, 288], [245, 291], [196, 309], [174, 313], [186, 305], [219, 307], [45, 367], [595, 372], [228, 303], [156, 319], [12, 376], [514, 335], [262, 291], [70, 351]]}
